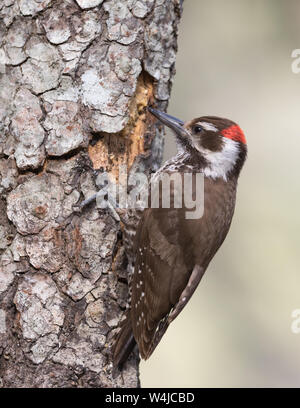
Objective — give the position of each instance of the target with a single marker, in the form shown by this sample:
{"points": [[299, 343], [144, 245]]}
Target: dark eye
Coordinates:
{"points": [[198, 129]]}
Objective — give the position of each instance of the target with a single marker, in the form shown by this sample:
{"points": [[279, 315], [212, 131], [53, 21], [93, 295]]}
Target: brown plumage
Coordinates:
{"points": [[172, 252]]}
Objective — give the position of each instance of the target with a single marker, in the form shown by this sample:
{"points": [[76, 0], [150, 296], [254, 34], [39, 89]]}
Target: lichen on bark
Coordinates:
{"points": [[75, 80]]}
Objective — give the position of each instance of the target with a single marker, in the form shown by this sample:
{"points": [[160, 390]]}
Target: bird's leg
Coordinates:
{"points": [[113, 211], [87, 201], [112, 206]]}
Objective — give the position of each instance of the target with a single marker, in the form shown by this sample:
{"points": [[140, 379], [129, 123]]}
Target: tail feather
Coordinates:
{"points": [[124, 343]]}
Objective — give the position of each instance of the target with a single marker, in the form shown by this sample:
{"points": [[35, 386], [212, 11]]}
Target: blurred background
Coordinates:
{"points": [[234, 60]]}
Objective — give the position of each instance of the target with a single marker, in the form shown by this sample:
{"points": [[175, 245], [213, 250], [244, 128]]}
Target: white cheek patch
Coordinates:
{"points": [[208, 126], [221, 163]]}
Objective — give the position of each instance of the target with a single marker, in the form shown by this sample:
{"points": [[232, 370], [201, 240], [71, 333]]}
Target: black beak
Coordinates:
{"points": [[168, 120]]}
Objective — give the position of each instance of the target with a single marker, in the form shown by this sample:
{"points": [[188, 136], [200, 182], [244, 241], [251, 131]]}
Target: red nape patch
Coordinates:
{"points": [[234, 132]]}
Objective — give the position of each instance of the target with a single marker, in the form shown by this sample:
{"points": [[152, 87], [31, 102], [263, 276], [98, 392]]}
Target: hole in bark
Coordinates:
{"points": [[96, 136]]}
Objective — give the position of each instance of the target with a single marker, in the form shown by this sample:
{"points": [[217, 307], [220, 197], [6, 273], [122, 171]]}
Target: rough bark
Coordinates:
{"points": [[75, 78]]}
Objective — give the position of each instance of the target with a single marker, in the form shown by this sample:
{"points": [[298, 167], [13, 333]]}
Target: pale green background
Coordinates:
{"points": [[234, 60]]}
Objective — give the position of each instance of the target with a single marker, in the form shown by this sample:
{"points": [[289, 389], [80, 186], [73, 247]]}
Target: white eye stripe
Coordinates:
{"points": [[208, 126], [221, 163]]}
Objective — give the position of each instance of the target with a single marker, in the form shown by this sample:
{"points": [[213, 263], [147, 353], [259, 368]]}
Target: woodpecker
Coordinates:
{"points": [[171, 252]]}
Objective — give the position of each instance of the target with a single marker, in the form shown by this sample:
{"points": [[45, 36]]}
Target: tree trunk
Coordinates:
{"points": [[75, 78]]}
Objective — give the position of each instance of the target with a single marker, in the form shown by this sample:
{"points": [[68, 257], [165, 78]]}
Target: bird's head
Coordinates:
{"points": [[218, 143]]}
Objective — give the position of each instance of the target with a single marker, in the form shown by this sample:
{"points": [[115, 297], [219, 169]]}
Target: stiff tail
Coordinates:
{"points": [[124, 343]]}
